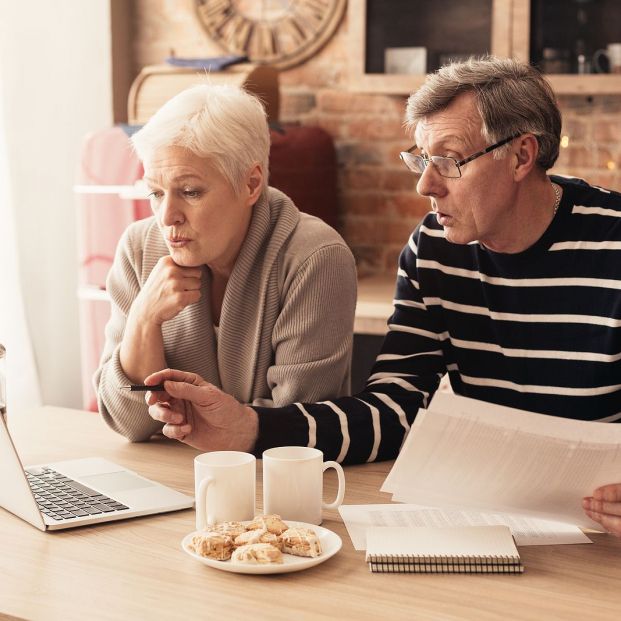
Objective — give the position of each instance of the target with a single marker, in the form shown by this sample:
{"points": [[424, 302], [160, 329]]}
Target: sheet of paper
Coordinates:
{"points": [[526, 531], [463, 453]]}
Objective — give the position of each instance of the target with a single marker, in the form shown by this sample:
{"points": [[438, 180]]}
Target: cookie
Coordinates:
{"points": [[212, 544], [271, 523], [257, 554], [257, 536], [232, 529], [301, 542]]}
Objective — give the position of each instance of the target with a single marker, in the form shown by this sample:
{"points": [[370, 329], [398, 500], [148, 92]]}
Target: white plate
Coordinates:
{"points": [[330, 544]]}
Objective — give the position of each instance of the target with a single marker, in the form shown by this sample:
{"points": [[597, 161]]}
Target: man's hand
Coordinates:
{"points": [[605, 507], [199, 414]]}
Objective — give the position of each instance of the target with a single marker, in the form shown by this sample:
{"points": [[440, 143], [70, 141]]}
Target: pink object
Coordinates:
{"points": [[94, 315], [107, 159]]}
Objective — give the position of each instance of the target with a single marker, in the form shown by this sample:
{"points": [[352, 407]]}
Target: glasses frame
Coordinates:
{"points": [[458, 163]]}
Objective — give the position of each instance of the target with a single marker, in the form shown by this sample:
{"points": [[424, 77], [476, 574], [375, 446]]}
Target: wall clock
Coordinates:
{"points": [[282, 33]]}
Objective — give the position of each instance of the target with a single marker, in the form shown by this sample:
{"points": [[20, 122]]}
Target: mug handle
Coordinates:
{"points": [[341, 476], [596, 60], [201, 503]]}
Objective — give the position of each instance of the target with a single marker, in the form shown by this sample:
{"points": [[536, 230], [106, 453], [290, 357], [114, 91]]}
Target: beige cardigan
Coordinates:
{"points": [[286, 323]]}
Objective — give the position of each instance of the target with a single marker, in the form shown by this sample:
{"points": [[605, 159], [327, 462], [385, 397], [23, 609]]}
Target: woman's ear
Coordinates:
{"points": [[254, 183], [526, 151]]}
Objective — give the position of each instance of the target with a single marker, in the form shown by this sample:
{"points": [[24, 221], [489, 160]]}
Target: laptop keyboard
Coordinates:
{"points": [[62, 498]]}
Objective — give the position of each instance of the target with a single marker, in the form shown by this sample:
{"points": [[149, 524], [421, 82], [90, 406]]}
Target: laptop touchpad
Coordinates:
{"points": [[111, 482]]}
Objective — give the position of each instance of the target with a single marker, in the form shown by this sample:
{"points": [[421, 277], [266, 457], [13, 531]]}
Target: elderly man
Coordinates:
{"points": [[511, 285]]}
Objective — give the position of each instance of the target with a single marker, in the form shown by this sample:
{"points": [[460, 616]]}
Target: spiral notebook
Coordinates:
{"points": [[460, 549]]}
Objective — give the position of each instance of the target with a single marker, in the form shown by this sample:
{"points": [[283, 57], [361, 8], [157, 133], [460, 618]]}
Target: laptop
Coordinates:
{"points": [[78, 492]]}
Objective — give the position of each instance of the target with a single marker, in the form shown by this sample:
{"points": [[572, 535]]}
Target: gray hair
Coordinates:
{"points": [[221, 122], [511, 97]]}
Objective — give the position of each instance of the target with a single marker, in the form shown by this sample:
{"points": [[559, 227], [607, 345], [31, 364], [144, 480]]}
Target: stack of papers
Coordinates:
{"points": [[464, 453], [467, 462], [526, 531]]}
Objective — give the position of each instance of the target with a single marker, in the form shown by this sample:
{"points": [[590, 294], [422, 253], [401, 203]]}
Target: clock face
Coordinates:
{"points": [[282, 33]]}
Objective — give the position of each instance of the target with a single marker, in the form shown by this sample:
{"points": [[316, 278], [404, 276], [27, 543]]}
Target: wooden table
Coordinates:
{"points": [[136, 570]]}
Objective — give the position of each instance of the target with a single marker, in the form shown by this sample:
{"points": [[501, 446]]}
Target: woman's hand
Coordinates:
{"points": [[199, 414], [167, 291], [604, 507]]}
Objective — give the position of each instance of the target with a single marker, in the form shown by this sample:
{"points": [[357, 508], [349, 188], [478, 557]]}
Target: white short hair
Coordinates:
{"points": [[221, 122]]}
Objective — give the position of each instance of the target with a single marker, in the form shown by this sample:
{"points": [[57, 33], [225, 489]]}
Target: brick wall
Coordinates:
{"points": [[592, 126], [377, 197]]}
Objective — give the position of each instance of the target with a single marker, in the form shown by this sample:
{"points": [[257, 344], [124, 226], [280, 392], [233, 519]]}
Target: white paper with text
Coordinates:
{"points": [[468, 454], [526, 531]]}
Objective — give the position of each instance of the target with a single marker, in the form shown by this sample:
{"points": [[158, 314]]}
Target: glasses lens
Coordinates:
{"points": [[414, 162], [446, 166]]}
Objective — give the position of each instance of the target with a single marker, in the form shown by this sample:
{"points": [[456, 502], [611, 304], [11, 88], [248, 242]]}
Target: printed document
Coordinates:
{"points": [[526, 531], [467, 454]]}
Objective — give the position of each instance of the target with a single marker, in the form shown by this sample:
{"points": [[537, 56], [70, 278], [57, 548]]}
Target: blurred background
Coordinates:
{"points": [[73, 72]]}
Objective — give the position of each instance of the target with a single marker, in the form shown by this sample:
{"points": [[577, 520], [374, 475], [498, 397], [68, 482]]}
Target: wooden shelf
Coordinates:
{"points": [[384, 84], [592, 84], [374, 305], [563, 84], [129, 192], [92, 293]]}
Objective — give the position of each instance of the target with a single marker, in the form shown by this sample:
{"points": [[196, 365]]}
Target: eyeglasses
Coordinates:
{"points": [[446, 166]]}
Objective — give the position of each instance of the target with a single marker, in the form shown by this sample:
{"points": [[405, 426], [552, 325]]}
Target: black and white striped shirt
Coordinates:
{"points": [[539, 330]]}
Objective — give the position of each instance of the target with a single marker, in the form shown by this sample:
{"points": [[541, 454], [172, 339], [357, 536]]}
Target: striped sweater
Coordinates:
{"points": [[539, 330]]}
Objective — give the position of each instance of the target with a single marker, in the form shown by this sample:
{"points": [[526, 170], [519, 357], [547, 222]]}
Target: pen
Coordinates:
{"points": [[142, 387]]}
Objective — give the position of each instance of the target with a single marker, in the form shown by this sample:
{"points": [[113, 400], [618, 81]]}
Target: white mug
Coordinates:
{"points": [[613, 54], [225, 487], [293, 483]]}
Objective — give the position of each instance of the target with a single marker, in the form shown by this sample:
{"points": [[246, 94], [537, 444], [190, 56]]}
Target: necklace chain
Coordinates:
{"points": [[557, 199]]}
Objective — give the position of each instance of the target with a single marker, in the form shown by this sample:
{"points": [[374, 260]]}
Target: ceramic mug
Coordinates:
{"points": [[613, 54], [225, 487], [293, 483]]}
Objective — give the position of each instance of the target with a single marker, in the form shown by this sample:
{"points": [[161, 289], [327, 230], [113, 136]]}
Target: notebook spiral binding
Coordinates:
{"points": [[405, 564]]}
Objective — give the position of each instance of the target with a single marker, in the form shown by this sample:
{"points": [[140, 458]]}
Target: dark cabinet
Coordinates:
{"points": [[395, 43]]}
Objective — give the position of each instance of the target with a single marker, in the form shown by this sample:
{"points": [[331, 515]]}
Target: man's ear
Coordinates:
{"points": [[254, 183], [525, 151]]}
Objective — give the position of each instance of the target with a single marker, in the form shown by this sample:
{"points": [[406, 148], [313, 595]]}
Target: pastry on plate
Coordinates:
{"points": [[272, 523], [232, 529], [301, 542], [257, 536], [257, 554], [212, 544]]}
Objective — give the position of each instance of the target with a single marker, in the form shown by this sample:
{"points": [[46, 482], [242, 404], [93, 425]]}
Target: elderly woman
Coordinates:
{"points": [[227, 279]]}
